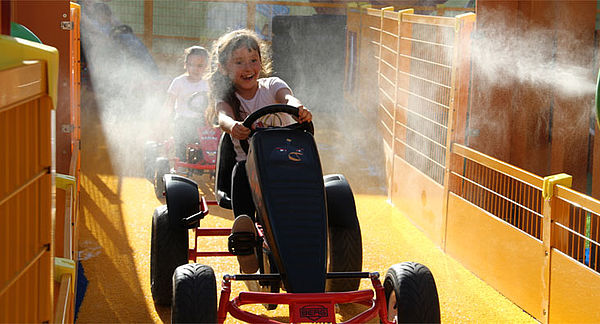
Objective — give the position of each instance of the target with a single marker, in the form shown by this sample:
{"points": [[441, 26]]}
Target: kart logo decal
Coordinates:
{"points": [[287, 152], [295, 156], [314, 312]]}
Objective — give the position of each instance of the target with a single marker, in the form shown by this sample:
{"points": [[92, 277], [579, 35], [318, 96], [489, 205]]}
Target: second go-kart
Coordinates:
{"points": [[308, 244], [200, 156]]}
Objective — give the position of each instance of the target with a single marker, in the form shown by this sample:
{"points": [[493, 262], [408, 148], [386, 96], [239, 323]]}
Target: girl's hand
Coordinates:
{"points": [[304, 115], [239, 131]]}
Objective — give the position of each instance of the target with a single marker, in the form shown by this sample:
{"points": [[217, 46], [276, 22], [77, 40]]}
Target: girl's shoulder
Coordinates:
{"points": [[272, 81], [180, 78]]}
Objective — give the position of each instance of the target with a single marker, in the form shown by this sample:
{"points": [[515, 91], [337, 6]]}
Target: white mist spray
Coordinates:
{"points": [[127, 87]]}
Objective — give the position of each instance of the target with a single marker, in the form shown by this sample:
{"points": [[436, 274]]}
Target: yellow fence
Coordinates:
{"points": [[25, 188], [533, 239], [537, 240], [38, 247]]}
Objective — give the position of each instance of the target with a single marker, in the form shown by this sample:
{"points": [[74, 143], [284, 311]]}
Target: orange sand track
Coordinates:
{"points": [[114, 243]]}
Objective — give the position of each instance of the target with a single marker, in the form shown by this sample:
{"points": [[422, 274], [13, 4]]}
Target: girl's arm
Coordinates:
{"points": [[170, 104], [230, 125], [284, 96]]}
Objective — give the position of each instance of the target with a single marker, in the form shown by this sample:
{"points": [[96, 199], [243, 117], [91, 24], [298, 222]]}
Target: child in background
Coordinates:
{"points": [[187, 118], [239, 87]]}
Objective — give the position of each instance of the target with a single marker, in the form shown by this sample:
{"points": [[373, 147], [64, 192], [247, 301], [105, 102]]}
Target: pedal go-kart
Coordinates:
{"points": [[309, 242], [200, 157]]}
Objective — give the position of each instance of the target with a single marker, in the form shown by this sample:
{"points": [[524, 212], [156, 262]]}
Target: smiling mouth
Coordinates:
{"points": [[248, 77]]}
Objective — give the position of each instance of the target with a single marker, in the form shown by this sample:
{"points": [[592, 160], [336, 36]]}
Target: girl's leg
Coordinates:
{"points": [[179, 137], [241, 196], [186, 133]]}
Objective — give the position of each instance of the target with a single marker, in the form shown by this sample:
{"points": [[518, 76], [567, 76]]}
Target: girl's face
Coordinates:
{"points": [[195, 66], [243, 68]]}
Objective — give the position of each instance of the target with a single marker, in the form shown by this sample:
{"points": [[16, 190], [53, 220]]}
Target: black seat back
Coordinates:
{"points": [[286, 178], [225, 163]]}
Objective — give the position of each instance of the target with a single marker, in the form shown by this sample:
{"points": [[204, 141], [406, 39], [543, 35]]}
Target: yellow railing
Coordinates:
{"points": [[66, 224], [532, 238]]}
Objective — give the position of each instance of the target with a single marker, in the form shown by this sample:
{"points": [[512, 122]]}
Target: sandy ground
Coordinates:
{"points": [[116, 215]]}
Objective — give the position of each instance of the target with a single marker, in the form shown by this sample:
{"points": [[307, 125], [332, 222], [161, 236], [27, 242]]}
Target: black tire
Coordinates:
{"points": [[345, 241], [345, 254], [168, 250], [194, 294], [150, 154], [411, 294], [162, 168]]}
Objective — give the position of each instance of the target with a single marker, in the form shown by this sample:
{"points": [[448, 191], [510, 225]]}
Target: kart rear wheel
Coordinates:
{"points": [[150, 154], [345, 241], [168, 250], [345, 254], [411, 295], [194, 294], [162, 168]]}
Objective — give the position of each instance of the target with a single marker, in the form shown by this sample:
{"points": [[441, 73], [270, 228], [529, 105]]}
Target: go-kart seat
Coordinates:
{"points": [[225, 163]]}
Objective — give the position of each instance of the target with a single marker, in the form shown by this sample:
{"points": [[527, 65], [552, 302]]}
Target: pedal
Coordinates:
{"points": [[242, 243]]}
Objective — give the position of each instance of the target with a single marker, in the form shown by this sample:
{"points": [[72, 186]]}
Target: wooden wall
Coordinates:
{"points": [[535, 125]]}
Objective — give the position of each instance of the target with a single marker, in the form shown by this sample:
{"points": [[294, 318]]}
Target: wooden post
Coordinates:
{"points": [[5, 17], [148, 23], [458, 103], [547, 242], [548, 209], [251, 15], [391, 170]]}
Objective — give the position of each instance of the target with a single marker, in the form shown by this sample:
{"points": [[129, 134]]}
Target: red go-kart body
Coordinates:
{"points": [[202, 155]]}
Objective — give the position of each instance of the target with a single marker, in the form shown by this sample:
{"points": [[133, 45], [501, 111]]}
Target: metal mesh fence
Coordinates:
{"points": [[577, 233], [502, 195], [167, 27], [177, 24]]}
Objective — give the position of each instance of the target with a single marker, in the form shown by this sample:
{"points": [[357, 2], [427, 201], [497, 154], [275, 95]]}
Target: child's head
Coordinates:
{"points": [[195, 62], [240, 42], [238, 59]]}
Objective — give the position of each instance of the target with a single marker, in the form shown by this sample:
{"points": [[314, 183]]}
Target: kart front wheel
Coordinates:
{"points": [[411, 295], [194, 294], [162, 168], [168, 250]]}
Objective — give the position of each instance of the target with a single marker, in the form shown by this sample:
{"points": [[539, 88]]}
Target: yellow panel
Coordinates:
{"points": [[574, 291], [429, 20], [419, 197], [504, 257], [17, 50], [22, 82]]}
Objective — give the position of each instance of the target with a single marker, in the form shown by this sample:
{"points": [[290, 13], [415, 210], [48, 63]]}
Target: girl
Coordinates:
{"points": [[187, 116], [240, 86]]}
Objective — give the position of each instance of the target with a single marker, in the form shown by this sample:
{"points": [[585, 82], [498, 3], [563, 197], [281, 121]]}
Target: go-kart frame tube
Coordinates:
{"points": [[197, 166], [193, 253], [377, 306]]}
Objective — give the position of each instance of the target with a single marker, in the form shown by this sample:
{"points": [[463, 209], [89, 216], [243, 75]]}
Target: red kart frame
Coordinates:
{"points": [[208, 142], [303, 307]]}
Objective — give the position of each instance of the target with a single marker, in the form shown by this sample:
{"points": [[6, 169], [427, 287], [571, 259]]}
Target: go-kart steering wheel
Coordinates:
{"points": [[272, 109]]}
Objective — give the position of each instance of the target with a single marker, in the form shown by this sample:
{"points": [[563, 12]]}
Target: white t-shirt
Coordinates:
{"points": [[183, 90], [265, 96]]}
